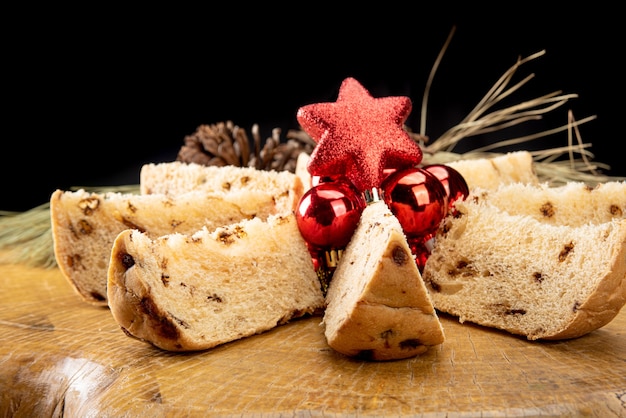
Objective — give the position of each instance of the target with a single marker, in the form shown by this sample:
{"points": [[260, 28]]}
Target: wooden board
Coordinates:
{"points": [[60, 356]]}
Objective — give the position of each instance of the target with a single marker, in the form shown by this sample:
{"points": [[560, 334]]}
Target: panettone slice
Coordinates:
{"points": [[378, 306]]}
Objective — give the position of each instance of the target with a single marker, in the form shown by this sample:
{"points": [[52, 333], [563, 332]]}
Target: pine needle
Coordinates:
{"points": [[554, 165], [480, 121], [429, 83]]}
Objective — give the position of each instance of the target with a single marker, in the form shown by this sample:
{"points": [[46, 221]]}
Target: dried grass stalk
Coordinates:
{"points": [[26, 237], [554, 165]]}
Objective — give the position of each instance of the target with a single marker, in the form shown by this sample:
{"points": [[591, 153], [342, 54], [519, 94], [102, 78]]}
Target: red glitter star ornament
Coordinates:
{"points": [[359, 136]]}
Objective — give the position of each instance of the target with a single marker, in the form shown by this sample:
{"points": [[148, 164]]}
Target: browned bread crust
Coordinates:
{"points": [[490, 173], [173, 178]]}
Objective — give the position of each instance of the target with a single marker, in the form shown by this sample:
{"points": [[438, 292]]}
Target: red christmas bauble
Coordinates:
{"points": [[454, 183], [421, 249], [328, 214], [417, 198]]}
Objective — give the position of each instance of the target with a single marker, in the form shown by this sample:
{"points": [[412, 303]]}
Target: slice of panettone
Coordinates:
{"points": [[188, 292], [526, 273], [378, 307]]}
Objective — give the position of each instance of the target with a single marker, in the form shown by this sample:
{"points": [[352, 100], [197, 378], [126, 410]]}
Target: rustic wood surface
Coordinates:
{"points": [[62, 357]]}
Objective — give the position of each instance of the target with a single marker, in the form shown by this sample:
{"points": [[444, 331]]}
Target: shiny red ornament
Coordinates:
{"points": [[454, 183], [418, 199], [421, 248], [328, 214], [359, 136]]}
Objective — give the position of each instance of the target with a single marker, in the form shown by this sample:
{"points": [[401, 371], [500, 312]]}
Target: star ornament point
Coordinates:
{"points": [[359, 136]]}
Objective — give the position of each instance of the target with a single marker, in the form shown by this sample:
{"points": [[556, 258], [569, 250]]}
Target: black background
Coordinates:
{"points": [[90, 96]]}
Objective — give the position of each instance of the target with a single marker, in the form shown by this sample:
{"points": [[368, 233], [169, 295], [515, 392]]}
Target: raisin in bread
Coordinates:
{"points": [[177, 177], [505, 266], [194, 292], [84, 225], [377, 304]]}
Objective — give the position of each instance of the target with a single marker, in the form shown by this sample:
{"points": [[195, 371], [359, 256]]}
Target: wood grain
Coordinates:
{"points": [[62, 357]]}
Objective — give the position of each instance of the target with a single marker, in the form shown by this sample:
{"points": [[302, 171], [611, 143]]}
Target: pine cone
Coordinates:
{"points": [[227, 144], [218, 144]]}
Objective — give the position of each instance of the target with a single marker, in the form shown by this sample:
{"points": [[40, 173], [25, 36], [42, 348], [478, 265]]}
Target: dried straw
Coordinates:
{"points": [[553, 165], [25, 237]]}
